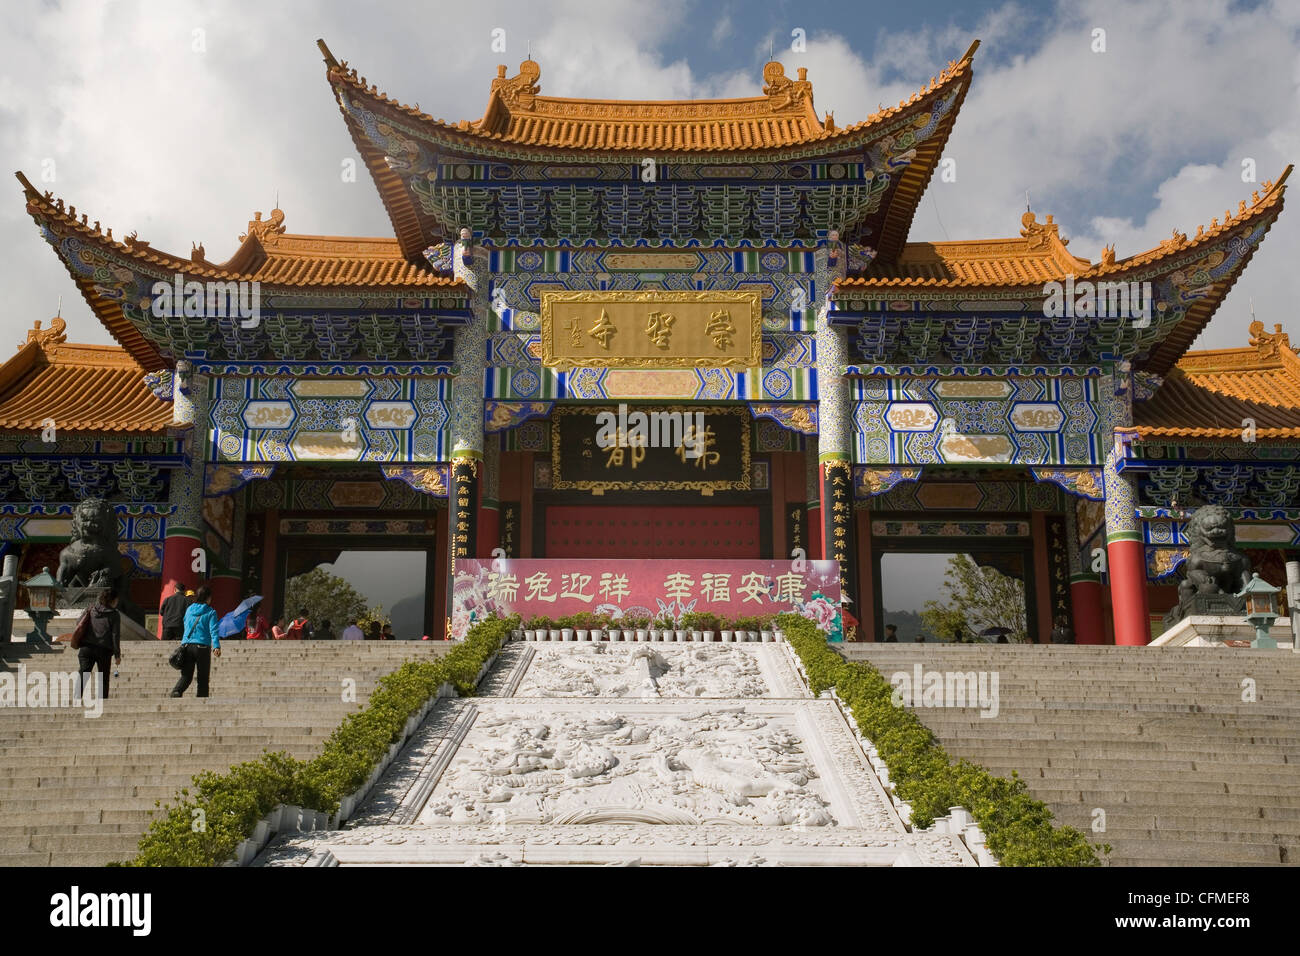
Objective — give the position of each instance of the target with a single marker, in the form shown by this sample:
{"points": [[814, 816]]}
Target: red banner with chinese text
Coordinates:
{"points": [[556, 587]]}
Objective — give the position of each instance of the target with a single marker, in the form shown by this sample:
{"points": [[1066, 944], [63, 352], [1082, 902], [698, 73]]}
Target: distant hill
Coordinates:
{"points": [[408, 618], [909, 626]]}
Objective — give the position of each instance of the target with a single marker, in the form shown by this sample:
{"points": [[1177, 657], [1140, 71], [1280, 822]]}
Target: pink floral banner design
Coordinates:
{"points": [[653, 589]]}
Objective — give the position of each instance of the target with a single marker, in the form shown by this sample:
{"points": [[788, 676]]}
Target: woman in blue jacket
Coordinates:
{"points": [[199, 643]]}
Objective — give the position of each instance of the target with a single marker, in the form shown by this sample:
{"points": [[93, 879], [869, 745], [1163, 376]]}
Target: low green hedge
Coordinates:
{"points": [[232, 803], [1018, 828]]}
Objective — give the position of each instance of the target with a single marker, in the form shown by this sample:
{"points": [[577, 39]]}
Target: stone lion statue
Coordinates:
{"points": [[1214, 566], [92, 558]]}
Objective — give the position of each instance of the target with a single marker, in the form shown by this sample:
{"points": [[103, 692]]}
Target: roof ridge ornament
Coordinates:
{"points": [[48, 339], [1268, 343], [518, 91], [265, 231], [1038, 233], [784, 92]]}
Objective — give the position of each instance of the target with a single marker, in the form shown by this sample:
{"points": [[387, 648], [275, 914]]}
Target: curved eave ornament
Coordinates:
{"points": [[1163, 563], [1080, 482], [224, 479], [502, 416], [429, 480], [869, 481], [801, 417]]}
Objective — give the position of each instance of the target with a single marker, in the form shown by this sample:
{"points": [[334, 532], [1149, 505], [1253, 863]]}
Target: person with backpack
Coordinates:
{"points": [[101, 641], [258, 629], [199, 644]]}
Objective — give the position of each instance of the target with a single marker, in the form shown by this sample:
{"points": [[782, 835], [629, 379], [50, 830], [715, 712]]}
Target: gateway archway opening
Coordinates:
{"points": [[336, 582], [943, 596]]}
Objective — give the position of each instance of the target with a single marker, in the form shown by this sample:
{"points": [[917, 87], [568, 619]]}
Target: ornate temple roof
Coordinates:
{"points": [[1199, 271], [266, 254], [402, 146], [1210, 394], [81, 388], [1038, 256], [517, 114]]}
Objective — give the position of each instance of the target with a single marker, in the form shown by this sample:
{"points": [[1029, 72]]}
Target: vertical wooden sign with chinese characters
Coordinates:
{"points": [[796, 517], [837, 507], [510, 528], [1058, 566], [464, 506]]}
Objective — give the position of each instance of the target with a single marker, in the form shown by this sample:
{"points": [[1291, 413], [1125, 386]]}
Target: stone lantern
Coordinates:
{"points": [[42, 596], [1261, 609]]}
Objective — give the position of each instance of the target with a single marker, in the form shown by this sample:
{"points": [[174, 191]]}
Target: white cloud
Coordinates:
{"points": [[1122, 146]]}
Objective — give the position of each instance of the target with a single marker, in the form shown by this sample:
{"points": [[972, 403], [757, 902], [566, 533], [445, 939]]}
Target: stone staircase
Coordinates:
{"points": [[80, 791], [1160, 739]]}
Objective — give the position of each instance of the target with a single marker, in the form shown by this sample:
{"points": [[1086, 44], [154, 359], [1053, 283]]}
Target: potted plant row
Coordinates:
{"points": [[694, 626]]}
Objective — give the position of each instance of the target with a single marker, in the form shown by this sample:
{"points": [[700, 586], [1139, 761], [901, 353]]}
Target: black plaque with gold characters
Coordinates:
{"points": [[1058, 567], [651, 448], [837, 522], [464, 506]]}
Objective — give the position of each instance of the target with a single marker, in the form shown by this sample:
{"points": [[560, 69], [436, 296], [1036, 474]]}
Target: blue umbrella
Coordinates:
{"points": [[234, 622]]}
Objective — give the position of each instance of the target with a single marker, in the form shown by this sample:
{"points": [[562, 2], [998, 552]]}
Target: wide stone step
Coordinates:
{"points": [[1180, 851]]}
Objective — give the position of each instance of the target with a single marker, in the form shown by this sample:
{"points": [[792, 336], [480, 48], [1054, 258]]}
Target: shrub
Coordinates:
{"points": [[582, 619], [700, 621], [1019, 828]]}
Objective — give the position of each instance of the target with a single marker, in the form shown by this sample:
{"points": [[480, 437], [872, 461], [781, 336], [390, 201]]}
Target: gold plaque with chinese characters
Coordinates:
{"points": [[652, 329]]}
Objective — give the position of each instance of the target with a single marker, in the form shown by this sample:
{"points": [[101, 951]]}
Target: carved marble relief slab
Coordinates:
{"points": [[639, 754], [645, 670], [616, 845]]}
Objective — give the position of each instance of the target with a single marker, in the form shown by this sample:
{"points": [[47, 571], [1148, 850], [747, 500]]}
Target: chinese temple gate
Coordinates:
{"points": [[741, 268]]}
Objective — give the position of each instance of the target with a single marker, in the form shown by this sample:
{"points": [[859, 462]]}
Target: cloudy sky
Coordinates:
{"points": [[179, 119]]}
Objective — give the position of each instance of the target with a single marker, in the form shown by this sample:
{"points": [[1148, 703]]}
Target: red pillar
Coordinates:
{"points": [[1085, 602], [813, 523], [1128, 592], [865, 608], [488, 536], [440, 626], [225, 591], [1042, 578], [776, 506], [178, 557], [270, 558]]}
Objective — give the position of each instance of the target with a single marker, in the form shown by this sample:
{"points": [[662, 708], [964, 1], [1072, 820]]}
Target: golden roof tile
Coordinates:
{"points": [[80, 388], [1214, 393]]}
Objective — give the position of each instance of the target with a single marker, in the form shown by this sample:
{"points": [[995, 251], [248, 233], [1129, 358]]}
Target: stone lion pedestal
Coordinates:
{"points": [[1211, 630]]}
